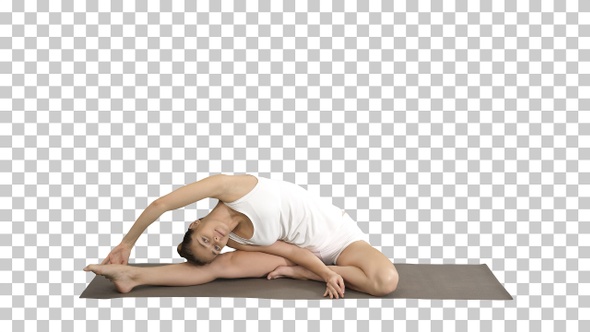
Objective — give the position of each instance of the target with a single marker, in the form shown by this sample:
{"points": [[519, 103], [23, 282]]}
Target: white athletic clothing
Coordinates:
{"points": [[284, 211]]}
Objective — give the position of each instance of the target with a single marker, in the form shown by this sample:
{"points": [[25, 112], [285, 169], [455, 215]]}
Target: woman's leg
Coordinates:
{"points": [[235, 264], [362, 267], [368, 269]]}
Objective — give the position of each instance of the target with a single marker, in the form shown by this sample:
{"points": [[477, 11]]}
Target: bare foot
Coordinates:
{"points": [[120, 275], [294, 272]]}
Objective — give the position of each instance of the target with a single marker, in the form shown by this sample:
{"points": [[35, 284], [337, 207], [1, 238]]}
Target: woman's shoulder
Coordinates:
{"points": [[236, 186]]}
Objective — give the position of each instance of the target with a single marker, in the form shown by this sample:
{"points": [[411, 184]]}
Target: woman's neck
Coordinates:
{"points": [[237, 222], [233, 219]]}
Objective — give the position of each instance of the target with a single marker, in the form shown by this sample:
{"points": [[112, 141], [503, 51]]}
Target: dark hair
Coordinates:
{"points": [[185, 250]]}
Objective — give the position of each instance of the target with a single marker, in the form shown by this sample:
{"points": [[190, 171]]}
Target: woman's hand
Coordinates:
{"points": [[119, 255], [304, 258], [334, 286]]}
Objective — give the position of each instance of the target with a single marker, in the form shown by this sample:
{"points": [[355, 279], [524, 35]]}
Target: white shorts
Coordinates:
{"points": [[348, 233]]}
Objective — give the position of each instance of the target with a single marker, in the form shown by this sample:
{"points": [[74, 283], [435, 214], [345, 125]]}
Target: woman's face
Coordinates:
{"points": [[208, 238]]}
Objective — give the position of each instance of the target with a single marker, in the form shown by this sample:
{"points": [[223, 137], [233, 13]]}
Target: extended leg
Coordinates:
{"points": [[236, 264]]}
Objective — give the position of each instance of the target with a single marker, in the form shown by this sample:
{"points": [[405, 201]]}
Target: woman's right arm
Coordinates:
{"points": [[303, 257]]}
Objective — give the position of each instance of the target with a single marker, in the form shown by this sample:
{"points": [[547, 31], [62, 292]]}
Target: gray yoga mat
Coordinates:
{"points": [[417, 281]]}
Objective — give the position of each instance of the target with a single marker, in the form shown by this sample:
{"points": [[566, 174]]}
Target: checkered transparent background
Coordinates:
{"points": [[454, 132]]}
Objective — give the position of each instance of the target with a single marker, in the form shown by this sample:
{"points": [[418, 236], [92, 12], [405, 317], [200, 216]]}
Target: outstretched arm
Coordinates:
{"points": [[120, 254], [222, 187], [212, 186], [302, 257]]}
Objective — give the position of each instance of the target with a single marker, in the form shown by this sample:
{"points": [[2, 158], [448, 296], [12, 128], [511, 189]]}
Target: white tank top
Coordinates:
{"points": [[284, 211]]}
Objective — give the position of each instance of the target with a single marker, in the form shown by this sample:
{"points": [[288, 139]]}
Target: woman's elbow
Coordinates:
{"points": [[159, 204]]}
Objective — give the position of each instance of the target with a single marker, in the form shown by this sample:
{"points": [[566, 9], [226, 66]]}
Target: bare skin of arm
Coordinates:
{"points": [[220, 186], [302, 257]]}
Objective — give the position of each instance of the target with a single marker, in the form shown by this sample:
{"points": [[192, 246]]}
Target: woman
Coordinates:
{"points": [[278, 229]]}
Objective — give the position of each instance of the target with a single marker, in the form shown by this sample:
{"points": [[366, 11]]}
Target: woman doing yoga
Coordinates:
{"points": [[278, 230]]}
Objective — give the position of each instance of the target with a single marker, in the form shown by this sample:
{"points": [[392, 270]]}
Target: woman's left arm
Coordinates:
{"points": [[302, 257]]}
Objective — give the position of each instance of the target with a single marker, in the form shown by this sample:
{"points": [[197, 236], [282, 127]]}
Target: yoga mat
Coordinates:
{"points": [[417, 281]]}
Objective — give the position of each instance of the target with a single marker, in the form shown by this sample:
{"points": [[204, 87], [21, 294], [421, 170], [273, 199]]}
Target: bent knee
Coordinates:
{"points": [[385, 281]]}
